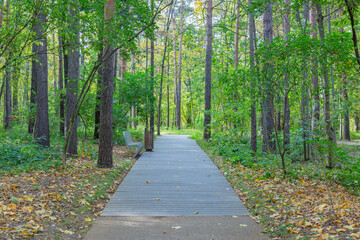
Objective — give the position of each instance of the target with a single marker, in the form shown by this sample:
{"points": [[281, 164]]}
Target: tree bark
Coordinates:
{"points": [[175, 71], [42, 131], [32, 91], [72, 85], [178, 105], [286, 80], [15, 93], [329, 129], [162, 73], [105, 157], [315, 78], [253, 81], [357, 123], [208, 59], [61, 87], [7, 100], [98, 92], [346, 111], [268, 104]]}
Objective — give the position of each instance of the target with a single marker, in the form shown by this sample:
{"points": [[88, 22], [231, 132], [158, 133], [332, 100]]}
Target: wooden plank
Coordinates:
{"points": [[177, 179]]}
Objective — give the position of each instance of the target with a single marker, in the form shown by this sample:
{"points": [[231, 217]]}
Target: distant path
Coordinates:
{"points": [[349, 143], [175, 193]]}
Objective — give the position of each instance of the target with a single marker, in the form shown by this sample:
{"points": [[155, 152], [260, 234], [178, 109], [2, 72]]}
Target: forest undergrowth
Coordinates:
{"points": [[310, 202], [40, 200]]}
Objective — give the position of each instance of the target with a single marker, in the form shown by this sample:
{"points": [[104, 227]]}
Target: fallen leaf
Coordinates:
{"points": [[66, 231], [196, 212], [242, 225], [88, 219]]}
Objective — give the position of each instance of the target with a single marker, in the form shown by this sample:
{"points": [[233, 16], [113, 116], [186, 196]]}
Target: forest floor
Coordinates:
{"points": [[58, 204], [293, 208]]}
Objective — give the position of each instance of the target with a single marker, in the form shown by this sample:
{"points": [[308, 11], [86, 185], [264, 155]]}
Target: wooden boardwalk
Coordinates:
{"points": [[177, 179]]}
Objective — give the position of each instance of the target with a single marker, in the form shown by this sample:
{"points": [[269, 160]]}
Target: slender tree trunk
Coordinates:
{"points": [[351, 7], [268, 99], [175, 71], [357, 123], [15, 100], [98, 93], [305, 91], [315, 78], [236, 57], [105, 157], [208, 59], [168, 94], [32, 91], [7, 95], [346, 112], [54, 67], [253, 81], [178, 105], [162, 73], [286, 80], [61, 87], [346, 98], [133, 107], [42, 131], [74, 74], [329, 129], [7, 100]]}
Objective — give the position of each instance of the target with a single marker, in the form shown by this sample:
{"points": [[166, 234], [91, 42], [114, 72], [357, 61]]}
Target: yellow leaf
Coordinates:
{"points": [[157, 199], [13, 206], [148, 182], [66, 231], [72, 213], [88, 219], [355, 235], [196, 212]]}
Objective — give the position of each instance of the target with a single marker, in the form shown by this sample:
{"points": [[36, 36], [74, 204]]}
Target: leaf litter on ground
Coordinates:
{"points": [[295, 208], [57, 203]]}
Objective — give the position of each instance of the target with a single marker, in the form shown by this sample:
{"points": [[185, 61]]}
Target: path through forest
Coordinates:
{"points": [[175, 192]]}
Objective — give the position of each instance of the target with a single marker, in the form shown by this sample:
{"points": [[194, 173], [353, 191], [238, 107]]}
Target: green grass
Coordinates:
{"points": [[355, 136], [194, 133]]}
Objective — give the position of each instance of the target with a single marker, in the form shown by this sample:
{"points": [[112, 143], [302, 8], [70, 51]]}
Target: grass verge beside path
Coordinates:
{"points": [[58, 204], [292, 208]]}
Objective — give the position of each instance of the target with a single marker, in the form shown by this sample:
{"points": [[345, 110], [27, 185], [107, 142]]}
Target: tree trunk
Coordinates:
{"points": [[315, 78], [286, 80], [168, 94], [7, 100], [178, 98], [253, 81], [268, 104], [105, 157], [162, 73], [357, 123], [346, 112], [175, 71], [98, 93], [208, 59], [15, 100], [329, 129], [61, 87], [72, 85], [32, 91], [42, 131]]}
